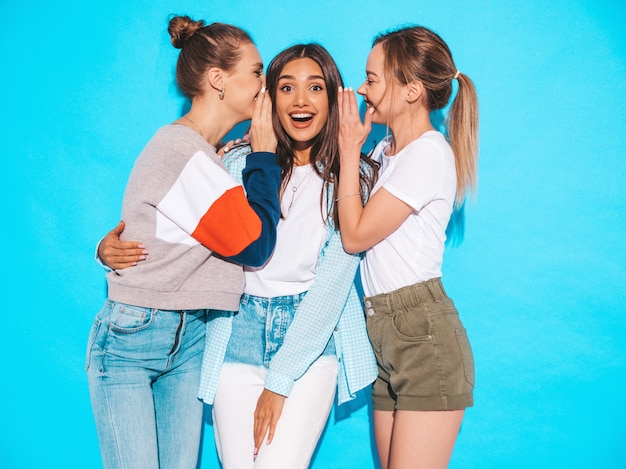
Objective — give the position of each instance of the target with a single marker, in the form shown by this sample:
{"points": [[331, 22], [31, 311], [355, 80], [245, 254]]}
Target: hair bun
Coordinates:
{"points": [[181, 29]]}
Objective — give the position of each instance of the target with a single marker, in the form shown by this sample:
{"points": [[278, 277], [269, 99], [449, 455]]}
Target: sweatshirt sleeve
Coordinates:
{"points": [[261, 179], [206, 205]]}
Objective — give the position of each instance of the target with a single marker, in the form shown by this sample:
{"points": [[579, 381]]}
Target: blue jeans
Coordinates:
{"points": [[260, 326], [143, 367]]}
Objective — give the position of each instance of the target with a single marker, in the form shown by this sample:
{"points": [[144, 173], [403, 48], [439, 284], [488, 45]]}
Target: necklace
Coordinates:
{"points": [[196, 126], [301, 183]]}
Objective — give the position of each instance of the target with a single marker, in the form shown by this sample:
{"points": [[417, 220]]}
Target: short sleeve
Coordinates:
{"points": [[417, 176]]}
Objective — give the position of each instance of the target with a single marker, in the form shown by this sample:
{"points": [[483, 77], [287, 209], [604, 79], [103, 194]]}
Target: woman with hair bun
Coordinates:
{"points": [[146, 344], [425, 365]]}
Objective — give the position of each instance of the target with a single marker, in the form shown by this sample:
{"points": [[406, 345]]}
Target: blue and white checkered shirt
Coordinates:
{"points": [[330, 307]]}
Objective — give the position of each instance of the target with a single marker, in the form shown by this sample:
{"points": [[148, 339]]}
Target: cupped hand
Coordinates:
{"points": [[118, 254], [262, 136], [269, 407], [352, 132]]}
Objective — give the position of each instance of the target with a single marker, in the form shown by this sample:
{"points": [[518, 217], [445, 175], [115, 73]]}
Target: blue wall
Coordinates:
{"points": [[540, 278]]}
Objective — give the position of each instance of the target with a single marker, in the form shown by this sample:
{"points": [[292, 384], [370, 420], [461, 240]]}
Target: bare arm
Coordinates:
{"points": [[118, 254], [361, 227], [268, 410]]}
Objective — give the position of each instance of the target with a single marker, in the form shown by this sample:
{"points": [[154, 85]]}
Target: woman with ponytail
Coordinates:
{"points": [[146, 344], [425, 364]]}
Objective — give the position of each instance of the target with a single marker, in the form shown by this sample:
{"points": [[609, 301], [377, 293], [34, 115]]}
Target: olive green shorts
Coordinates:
{"points": [[424, 357]]}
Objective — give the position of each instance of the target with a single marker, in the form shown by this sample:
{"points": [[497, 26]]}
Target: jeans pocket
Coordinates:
{"points": [[127, 319], [93, 333]]}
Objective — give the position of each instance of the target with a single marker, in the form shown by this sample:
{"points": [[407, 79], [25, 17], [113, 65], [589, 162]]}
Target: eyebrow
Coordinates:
{"points": [[369, 72], [310, 77]]}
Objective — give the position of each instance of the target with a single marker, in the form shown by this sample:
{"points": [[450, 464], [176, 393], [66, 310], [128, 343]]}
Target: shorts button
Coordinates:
{"points": [[368, 304], [370, 312]]}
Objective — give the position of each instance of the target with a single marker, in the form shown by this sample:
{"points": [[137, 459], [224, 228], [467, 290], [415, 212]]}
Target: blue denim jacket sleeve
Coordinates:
{"points": [[316, 317]]}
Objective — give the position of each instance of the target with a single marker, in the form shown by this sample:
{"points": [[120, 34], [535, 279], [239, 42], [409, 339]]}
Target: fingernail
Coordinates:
{"points": [[263, 89], [140, 246], [226, 149], [145, 251], [238, 140], [341, 89]]}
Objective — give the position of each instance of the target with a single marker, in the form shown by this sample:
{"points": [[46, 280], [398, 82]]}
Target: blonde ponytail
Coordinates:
{"points": [[417, 53], [462, 124]]}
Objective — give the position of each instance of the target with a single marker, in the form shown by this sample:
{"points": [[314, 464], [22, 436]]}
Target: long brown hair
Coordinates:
{"points": [[325, 150], [417, 53], [203, 47]]}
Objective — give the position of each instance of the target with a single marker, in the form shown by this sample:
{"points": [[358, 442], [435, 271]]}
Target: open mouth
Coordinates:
{"points": [[301, 116]]}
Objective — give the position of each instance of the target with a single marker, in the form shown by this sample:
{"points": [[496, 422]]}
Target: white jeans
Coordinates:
{"points": [[301, 423]]}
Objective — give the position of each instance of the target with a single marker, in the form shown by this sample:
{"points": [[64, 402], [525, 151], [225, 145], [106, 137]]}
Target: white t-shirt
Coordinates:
{"points": [[301, 233], [423, 176]]}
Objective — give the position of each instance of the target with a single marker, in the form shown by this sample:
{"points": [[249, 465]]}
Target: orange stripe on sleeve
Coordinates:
{"points": [[229, 225]]}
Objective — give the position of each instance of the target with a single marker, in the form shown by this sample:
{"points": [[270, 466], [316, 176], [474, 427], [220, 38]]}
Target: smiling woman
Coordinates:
{"points": [[426, 367], [300, 330], [302, 104]]}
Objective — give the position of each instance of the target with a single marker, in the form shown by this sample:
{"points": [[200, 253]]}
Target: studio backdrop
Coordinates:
{"points": [[539, 278]]}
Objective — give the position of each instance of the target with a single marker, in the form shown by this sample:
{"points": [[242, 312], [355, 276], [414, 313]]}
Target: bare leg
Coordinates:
{"points": [[383, 426], [423, 440]]}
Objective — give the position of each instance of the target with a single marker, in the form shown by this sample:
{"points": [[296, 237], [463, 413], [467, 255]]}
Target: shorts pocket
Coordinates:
{"points": [[127, 319], [412, 325], [466, 355]]}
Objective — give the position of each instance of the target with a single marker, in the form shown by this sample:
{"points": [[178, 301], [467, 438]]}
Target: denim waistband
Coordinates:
{"points": [[111, 303], [260, 327], [273, 300]]}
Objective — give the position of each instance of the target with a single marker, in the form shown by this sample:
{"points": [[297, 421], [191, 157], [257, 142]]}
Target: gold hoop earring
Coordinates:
{"points": [[222, 94]]}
